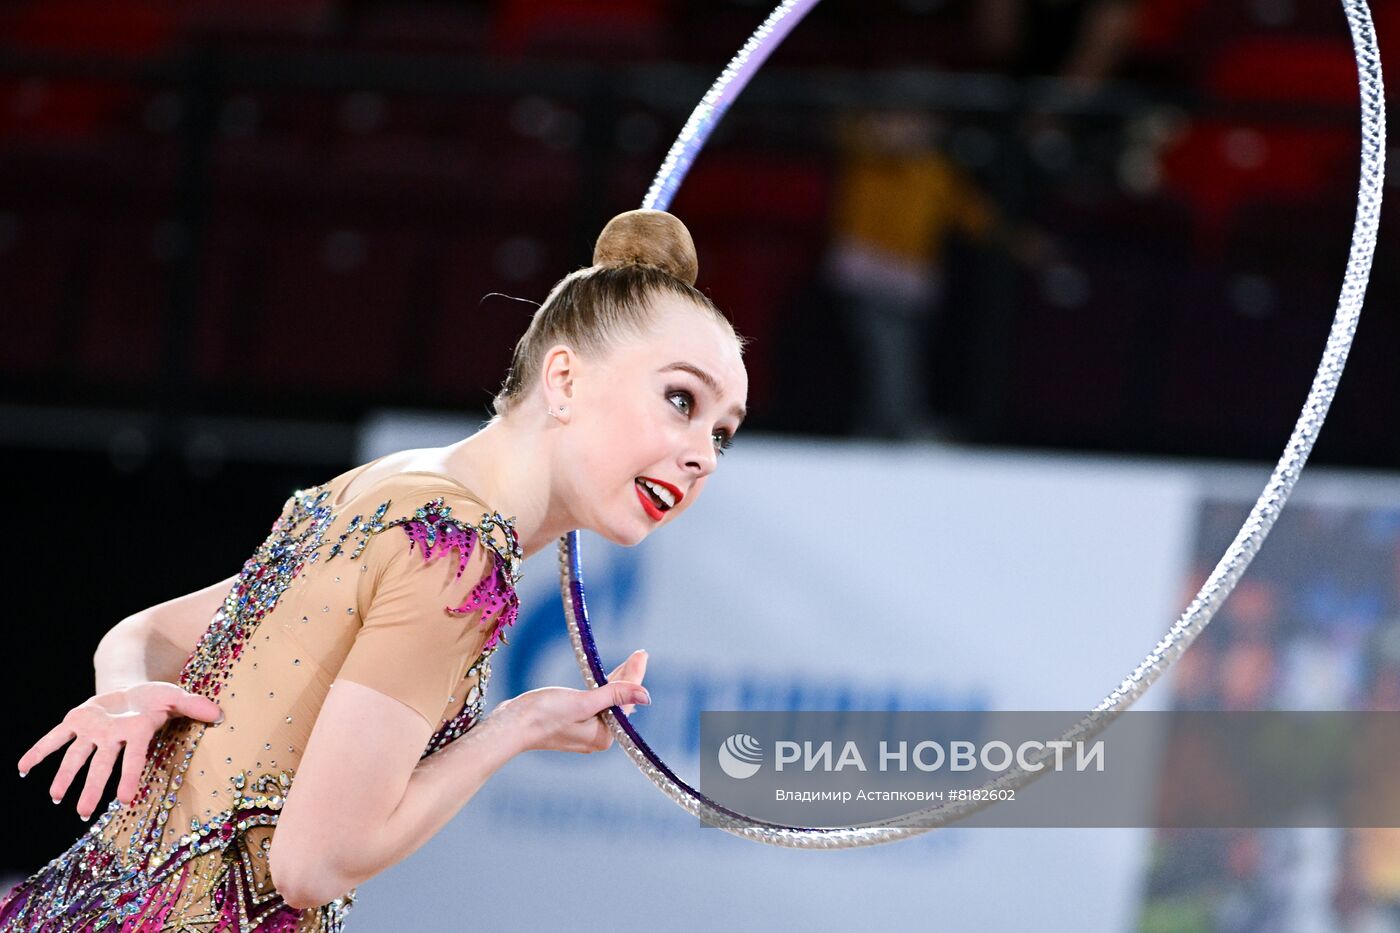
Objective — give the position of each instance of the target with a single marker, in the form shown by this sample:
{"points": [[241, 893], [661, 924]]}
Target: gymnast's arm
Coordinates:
{"points": [[155, 643], [363, 801], [363, 797]]}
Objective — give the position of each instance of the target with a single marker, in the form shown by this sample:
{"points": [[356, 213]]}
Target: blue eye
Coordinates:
{"points": [[690, 399], [723, 439]]}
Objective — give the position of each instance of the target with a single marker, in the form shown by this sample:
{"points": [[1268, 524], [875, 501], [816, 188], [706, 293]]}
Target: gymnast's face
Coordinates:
{"points": [[640, 412]]}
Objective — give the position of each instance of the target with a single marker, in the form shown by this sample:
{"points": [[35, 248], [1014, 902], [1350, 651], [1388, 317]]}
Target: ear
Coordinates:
{"points": [[557, 377]]}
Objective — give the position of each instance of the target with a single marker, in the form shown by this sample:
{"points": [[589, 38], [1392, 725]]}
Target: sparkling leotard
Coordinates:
{"points": [[349, 590]]}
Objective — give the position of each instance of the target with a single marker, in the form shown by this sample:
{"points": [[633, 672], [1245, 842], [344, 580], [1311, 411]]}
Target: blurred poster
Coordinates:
{"points": [[1314, 624]]}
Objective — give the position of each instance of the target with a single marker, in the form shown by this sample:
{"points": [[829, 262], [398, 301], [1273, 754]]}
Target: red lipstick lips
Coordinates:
{"points": [[652, 510]]}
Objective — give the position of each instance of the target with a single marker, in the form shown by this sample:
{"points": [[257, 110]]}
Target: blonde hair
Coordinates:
{"points": [[638, 255]]}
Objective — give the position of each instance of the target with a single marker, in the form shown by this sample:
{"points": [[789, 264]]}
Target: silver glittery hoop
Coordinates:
{"points": [[1202, 608]]}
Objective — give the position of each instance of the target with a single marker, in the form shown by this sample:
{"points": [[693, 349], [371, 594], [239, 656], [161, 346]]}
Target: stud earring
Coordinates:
{"points": [[562, 409]]}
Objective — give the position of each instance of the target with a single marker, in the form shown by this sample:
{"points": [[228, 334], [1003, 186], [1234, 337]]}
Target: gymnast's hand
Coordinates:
{"points": [[120, 721], [567, 720]]}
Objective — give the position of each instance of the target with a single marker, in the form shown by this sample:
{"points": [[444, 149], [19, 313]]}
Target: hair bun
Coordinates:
{"points": [[653, 238]]}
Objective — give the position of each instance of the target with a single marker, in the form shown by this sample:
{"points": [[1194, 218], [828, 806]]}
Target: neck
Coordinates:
{"points": [[510, 465]]}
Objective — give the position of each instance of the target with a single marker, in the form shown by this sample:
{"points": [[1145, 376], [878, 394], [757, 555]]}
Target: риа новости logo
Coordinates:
{"points": [[741, 756]]}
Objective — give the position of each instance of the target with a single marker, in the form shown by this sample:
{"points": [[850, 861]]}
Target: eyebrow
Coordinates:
{"points": [[710, 383]]}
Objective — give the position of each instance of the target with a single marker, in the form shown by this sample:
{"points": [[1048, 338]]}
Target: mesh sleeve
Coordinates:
{"points": [[418, 635]]}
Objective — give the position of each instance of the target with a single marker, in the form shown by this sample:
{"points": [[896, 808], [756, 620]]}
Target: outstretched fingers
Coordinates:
{"points": [[133, 760], [99, 770], [57, 737], [73, 759]]}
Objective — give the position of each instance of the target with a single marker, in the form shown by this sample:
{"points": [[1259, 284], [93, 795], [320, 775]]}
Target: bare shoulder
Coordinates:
{"points": [[404, 473]]}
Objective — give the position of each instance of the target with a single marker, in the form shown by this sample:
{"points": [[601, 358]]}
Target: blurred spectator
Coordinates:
{"points": [[898, 201]]}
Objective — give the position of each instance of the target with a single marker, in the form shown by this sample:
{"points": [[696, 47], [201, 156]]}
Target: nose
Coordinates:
{"points": [[702, 460]]}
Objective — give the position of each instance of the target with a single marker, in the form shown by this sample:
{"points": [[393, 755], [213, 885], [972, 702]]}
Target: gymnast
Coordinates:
{"points": [[303, 725]]}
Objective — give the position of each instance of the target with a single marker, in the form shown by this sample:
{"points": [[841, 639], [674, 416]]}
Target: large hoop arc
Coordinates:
{"points": [[1212, 594]]}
